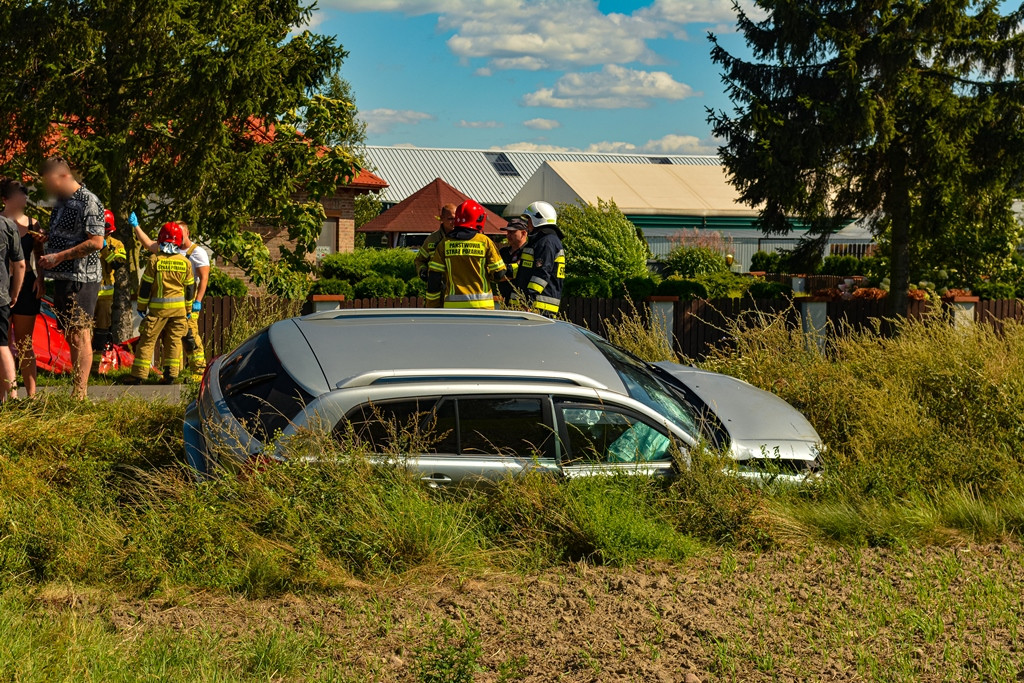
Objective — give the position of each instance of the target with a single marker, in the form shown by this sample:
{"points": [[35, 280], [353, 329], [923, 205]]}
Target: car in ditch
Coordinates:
{"points": [[481, 395]]}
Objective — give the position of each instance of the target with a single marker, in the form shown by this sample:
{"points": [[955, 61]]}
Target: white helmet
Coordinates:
{"points": [[540, 214]]}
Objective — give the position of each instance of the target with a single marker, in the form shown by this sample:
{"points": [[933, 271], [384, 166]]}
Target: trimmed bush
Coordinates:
{"points": [[588, 287], [639, 288], [761, 289], [683, 288], [222, 284], [380, 287], [600, 242], [363, 263], [843, 266], [332, 286], [994, 290], [692, 262], [415, 287], [765, 261], [724, 284]]}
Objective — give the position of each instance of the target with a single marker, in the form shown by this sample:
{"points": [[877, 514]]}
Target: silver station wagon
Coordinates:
{"points": [[497, 393]]}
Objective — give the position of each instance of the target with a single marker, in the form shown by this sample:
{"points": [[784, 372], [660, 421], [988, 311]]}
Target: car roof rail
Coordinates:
{"points": [[378, 377], [425, 313]]}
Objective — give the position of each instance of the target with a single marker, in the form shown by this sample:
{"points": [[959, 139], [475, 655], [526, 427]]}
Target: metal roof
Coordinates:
{"points": [[476, 171]]}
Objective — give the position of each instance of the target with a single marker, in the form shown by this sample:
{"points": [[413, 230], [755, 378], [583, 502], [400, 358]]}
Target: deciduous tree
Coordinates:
{"points": [[216, 112]]}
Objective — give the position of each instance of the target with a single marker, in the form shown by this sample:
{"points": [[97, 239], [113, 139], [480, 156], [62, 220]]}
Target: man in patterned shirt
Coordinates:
{"points": [[72, 260]]}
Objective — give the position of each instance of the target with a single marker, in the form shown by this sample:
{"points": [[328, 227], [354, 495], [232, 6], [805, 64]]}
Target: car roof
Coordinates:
{"points": [[360, 347]]}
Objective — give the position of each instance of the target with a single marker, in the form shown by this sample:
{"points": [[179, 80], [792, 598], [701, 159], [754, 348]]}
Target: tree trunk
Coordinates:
{"points": [[898, 209], [125, 279]]}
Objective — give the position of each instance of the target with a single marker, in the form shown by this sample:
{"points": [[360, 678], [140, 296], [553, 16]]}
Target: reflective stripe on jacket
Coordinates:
{"points": [[461, 271], [168, 287], [541, 273], [112, 256]]}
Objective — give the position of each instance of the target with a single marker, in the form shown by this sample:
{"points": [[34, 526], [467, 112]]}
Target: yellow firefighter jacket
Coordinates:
{"points": [[462, 269], [112, 257], [168, 287]]}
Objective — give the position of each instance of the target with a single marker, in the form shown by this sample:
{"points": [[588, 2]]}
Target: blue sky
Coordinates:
{"points": [[533, 74]]}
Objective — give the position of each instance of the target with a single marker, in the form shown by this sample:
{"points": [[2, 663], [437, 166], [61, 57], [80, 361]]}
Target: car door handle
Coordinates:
{"points": [[436, 479]]}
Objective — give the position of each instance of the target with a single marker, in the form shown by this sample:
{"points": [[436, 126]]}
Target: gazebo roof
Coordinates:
{"points": [[419, 212]]}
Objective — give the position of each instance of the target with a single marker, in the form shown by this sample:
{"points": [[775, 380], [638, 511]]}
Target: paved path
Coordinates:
{"points": [[148, 392]]}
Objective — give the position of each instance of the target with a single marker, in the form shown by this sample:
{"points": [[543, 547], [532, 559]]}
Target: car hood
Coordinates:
{"points": [[758, 422]]}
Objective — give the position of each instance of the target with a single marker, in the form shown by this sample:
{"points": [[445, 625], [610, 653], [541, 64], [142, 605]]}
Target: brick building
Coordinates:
{"points": [[339, 229]]}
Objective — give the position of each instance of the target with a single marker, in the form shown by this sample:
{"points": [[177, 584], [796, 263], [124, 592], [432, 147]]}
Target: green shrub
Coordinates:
{"points": [[724, 284], [842, 266], [765, 262], [994, 290], [762, 289], [693, 262], [601, 243], [362, 263], [641, 287], [588, 287], [415, 287], [380, 287], [222, 284], [683, 288], [332, 286]]}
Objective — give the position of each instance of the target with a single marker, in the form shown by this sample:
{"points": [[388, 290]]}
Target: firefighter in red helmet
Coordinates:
{"points": [[465, 263], [112, 257], [165, 300]]}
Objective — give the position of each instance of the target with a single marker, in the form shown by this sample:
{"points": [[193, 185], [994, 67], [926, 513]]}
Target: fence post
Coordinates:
{"points": [[961, 309], [814, 318], [663, 316], [325, 302]]}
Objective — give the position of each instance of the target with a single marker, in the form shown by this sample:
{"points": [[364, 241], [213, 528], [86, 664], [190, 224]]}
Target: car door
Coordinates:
{"points": [[606, 439], [458, 440]]}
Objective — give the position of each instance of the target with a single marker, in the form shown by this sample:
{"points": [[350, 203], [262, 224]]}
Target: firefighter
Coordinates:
{"points": [[465, 263], [538, 283], [112, 257], [516, 234], [426, 251], [165, 301]]}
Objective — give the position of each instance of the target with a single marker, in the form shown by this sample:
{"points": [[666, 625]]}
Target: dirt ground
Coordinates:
{"points": [[824, 614]]}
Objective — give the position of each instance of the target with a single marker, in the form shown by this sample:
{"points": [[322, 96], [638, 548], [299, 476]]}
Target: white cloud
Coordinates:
{"points": [[542, 124], [613, 87], [534, 147], [531, 34], [670, 144], [385, 120], [479, 124], [682, 12]]}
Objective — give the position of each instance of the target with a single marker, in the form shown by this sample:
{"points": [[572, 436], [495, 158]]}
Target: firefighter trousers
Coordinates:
{"points": [[167, 332], [197, 359]]}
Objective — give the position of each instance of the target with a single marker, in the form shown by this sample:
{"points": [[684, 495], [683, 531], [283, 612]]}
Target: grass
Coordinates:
{"points": [[924, 450]]}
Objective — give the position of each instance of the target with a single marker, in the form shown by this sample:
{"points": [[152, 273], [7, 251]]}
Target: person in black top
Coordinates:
{"points": [[23, 314], [516, 233], [12, 270]]}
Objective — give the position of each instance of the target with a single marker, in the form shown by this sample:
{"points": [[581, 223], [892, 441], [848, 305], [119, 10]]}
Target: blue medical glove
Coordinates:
{"points": [[197, 306], [133, 220]]}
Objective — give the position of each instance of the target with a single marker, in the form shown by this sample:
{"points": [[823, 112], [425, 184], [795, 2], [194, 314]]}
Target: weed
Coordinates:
{"points": [[449, 656]]}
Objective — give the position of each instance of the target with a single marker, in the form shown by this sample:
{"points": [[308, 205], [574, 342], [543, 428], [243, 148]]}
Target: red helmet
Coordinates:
{"points": [[171, 234], [470, 215], [108, 221]]}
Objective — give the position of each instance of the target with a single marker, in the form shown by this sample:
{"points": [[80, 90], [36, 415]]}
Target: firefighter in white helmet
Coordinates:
{"points": [[541, 273]]}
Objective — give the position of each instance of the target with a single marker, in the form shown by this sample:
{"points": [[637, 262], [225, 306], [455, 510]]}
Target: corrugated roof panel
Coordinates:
{"points": [[408, 169]]}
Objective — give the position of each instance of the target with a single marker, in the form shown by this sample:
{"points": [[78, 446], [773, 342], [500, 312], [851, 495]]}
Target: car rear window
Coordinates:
{"points": [[260, 394], [400, 426]]}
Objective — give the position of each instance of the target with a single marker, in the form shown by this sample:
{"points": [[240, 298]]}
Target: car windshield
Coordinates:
{"points": [[644, 387]]}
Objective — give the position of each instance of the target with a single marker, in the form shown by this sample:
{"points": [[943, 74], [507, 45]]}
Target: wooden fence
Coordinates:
{"points": [[697, 326]]}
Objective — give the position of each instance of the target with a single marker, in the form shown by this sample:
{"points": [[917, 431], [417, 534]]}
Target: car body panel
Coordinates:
{"points": [[352, 358], [759, 423]]}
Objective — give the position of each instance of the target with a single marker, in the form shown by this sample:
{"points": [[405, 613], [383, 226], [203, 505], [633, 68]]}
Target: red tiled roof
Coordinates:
{"points": [[368, 181], [419, 212]]}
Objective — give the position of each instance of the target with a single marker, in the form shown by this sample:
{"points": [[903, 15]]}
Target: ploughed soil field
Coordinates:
{"points": [[815, 614]]}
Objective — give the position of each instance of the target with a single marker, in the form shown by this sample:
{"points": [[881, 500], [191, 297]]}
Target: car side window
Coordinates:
{"points": [[505, 425], [410, 425], [603, 434]]}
